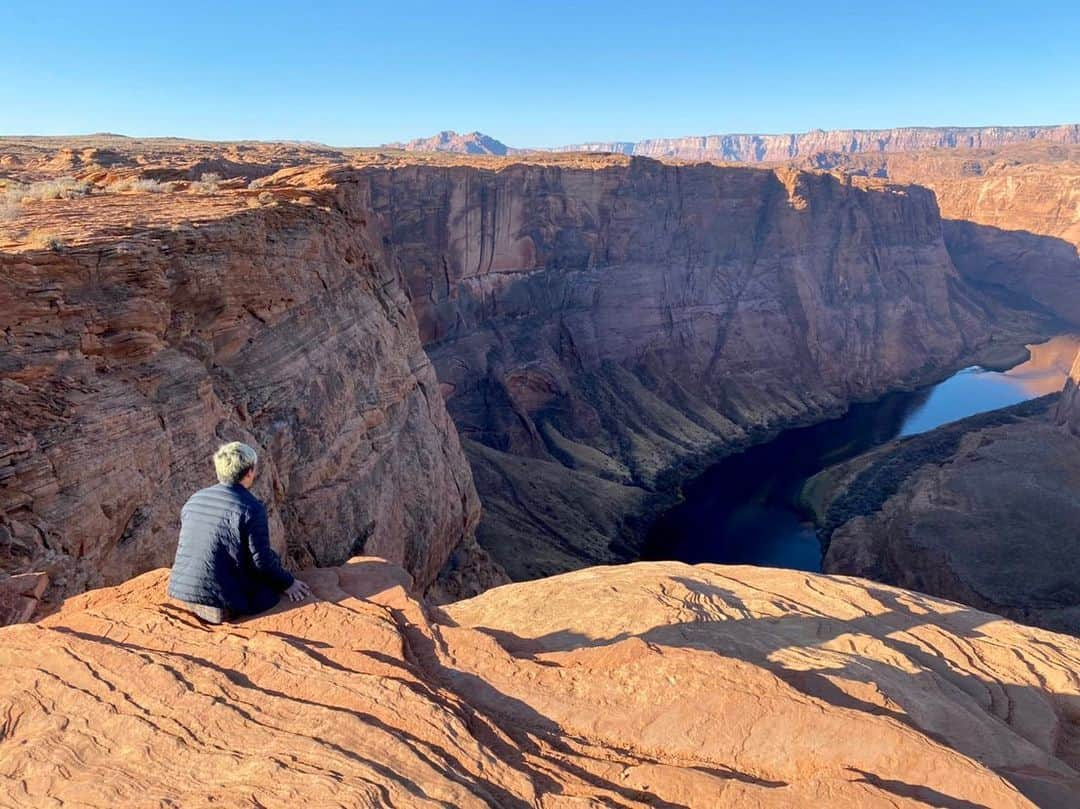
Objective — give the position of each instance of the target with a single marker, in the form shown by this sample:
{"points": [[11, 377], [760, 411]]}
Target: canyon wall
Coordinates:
{"points": [[600, 333], [1011, 215], [775, 148], [1068, 410], [600, 329], [126, 360], [983, 511]]}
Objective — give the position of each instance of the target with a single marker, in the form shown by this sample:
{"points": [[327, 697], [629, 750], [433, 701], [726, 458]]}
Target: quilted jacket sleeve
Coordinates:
{"points": [[265, 558]]}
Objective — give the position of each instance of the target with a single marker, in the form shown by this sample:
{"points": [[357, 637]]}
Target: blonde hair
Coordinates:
{"points": [[233, 460]]}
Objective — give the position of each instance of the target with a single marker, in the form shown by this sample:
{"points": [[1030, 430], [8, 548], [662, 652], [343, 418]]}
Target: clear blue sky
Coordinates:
{"points": [[530, 74]]}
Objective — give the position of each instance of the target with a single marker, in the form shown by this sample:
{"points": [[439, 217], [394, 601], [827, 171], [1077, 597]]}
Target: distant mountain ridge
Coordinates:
{"points": [[450, 141], [750, 148]]}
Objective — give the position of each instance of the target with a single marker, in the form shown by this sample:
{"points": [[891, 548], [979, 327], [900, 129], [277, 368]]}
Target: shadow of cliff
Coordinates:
{"points": [[1023, 270], [760, 640], [438, 758]]}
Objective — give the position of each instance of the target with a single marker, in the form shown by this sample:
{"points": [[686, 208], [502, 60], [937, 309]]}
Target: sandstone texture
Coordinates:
{"points": [[984, 511], [600, 328], [127, 356], [1011, 215], [1068, 411], [108, 156], [600, 333], [775, 148], [675, 686]]}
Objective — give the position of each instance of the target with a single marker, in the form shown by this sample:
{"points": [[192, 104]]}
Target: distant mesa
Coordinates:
{"points": [[751, 148], [757, 148], [450, 141]]}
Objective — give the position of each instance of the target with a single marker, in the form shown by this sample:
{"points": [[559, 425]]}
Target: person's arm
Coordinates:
{"points": [[264, 557]]}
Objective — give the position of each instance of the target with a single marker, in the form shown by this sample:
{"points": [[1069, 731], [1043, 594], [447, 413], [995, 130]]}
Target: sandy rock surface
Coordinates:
{"points": [[126, 359], [643, 685]]}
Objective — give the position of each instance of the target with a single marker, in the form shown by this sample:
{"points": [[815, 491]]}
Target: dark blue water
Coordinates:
{"points": [[744, 510]]}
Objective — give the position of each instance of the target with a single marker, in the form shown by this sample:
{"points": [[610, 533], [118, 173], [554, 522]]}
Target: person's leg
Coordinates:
{"points": [[207, 614]]}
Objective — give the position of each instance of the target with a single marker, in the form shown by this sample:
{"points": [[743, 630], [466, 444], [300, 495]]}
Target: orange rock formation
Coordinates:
{"points": [[643, 685], [598, 326]]}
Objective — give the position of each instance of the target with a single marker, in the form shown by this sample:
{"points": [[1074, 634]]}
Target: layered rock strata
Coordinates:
{"points": [[680, 686], [776, 148], [601, 327], [600, 333], [125, 360], [1011, 215]]}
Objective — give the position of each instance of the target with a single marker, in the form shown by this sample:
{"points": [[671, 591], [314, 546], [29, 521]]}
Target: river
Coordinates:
{"points": [[744, 510]]}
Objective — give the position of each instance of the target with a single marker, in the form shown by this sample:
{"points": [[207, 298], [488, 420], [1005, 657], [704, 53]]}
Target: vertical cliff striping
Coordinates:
{"points": [[598, 329], [599, 332], [1011, 215], [125, 361]]}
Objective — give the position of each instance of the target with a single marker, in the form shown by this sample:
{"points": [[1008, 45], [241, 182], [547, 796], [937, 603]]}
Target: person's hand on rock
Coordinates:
{"points": [[298, 591]]}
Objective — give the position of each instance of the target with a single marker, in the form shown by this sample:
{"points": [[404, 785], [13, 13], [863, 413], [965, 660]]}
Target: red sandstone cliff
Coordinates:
{"points": [[597, 330], [1011, 215], [126, 359], [599, 327], [983, 511]]}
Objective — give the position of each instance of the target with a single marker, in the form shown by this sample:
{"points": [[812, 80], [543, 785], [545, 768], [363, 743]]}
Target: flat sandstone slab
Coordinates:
{"points": [[653, 684]]}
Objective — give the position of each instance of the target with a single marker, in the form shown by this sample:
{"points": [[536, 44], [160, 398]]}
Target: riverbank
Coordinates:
{"points": [[753, 506]]}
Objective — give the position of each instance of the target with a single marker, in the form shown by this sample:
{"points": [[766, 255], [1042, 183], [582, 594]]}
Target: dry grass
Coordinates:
{"points": [[207, 185], [9, 209], [62, 188], [139, 185], [43, 239]]}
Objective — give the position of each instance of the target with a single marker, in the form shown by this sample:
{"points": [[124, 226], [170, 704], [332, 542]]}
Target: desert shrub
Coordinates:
{"points": [[207, 185], [63, 188], [9, 208], [44, 239], [140, 185]]}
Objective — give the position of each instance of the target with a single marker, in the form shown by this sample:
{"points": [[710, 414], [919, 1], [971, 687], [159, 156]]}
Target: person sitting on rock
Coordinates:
{"points": [[224, 564]]}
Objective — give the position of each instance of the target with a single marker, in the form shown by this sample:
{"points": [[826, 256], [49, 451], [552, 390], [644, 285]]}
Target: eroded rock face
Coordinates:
{"points": [[602, 327], [680, 686], [1068, 411], [599, 332], [984, 512], [126, 361], [1011, 215]]}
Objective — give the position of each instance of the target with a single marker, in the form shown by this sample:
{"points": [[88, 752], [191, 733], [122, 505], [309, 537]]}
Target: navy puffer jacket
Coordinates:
{"points": [[224, 558]]}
